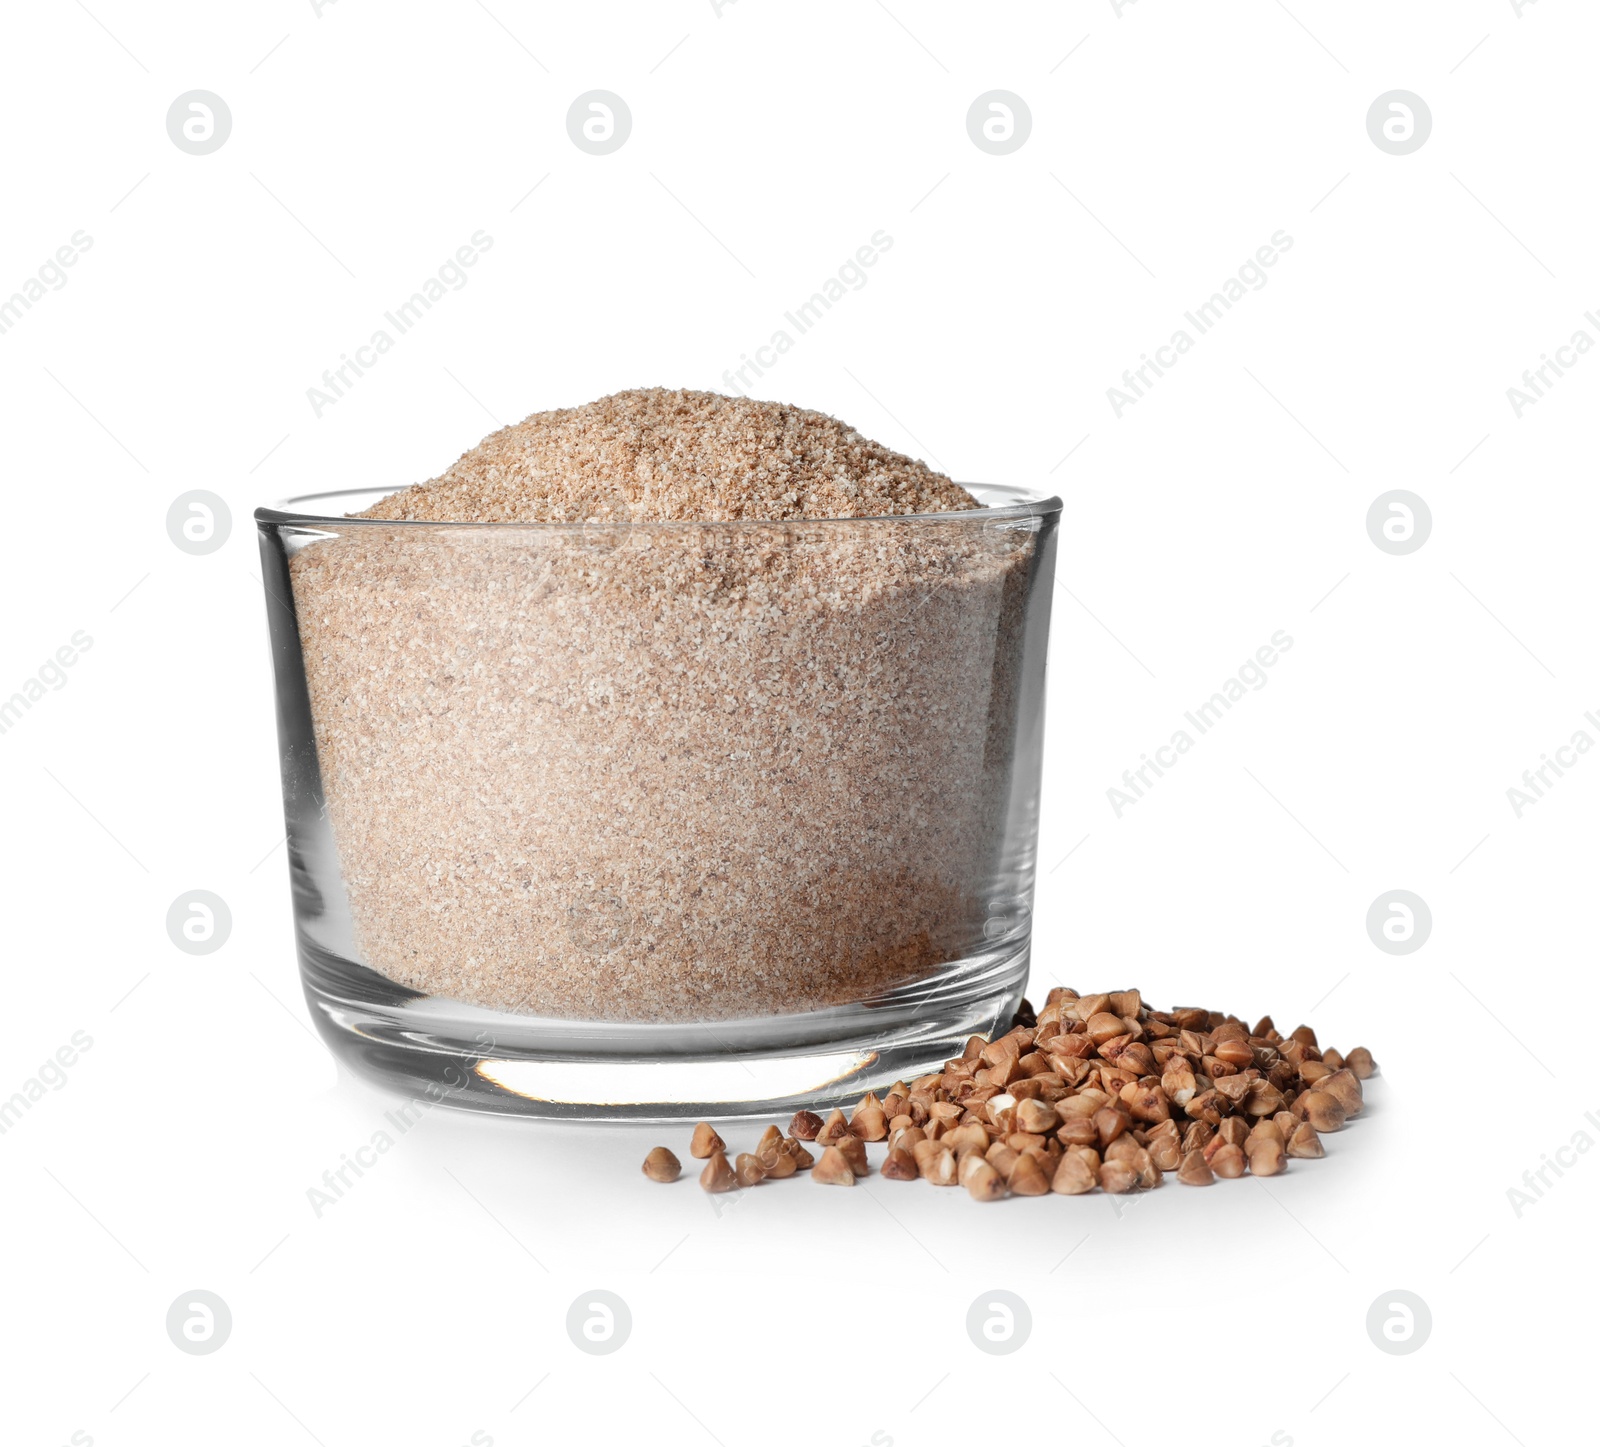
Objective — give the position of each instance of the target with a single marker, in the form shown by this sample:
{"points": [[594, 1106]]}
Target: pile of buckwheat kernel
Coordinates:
{"points": [[1094, 1090], [695, 751]]}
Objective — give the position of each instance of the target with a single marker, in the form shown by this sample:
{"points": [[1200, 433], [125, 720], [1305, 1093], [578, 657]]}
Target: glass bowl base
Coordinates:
{"points": [[465, 1056]]}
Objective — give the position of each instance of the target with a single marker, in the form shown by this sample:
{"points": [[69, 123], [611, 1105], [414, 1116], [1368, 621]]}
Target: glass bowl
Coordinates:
{"points": [[659, 819]]}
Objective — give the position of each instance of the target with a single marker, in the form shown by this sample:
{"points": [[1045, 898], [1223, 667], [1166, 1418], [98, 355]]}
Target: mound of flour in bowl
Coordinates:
{"points": [[685, 771], [663, 456]]}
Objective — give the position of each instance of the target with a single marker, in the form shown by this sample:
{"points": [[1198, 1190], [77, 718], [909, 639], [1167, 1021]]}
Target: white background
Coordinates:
{"points": [[769, 142]]}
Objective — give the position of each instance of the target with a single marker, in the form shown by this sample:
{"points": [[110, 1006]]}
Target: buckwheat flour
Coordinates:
{"points": [[661, 456], [685, 771]]}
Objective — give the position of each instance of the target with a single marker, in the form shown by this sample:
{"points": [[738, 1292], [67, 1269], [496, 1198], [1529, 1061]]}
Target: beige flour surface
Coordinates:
{"points": [[662, 456], [667, 773]]}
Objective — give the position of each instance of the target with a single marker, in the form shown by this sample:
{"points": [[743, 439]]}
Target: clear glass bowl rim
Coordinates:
{"points": [[294, 512]]}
